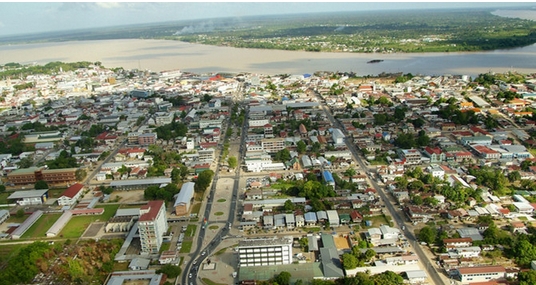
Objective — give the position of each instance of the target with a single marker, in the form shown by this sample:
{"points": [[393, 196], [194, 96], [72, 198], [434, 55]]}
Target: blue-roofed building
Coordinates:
{"points": [[328, 178], [310, 219], [183, 199]]}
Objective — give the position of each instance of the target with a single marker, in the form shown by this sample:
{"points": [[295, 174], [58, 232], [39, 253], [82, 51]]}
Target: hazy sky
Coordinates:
{"points": [[36, 17]]}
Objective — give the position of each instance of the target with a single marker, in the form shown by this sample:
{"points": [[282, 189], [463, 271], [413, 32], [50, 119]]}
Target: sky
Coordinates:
{"points": [[18, 18]]}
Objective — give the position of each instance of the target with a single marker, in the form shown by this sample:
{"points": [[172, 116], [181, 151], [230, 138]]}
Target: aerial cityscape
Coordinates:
{"points": [[353, 143]]}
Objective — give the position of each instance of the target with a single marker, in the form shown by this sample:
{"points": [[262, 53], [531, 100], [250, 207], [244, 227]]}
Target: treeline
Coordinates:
{"points": [[17, 70]]}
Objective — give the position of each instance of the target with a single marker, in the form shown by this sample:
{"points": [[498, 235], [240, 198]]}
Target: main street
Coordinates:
{"points": [[432, 273], [206, 242]]}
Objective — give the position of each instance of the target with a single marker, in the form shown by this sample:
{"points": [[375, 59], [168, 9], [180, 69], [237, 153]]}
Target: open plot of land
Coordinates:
{"points": [[128, 196], [41, 226], [341, 243], [378, 221], [77, 225], [93, 230]]}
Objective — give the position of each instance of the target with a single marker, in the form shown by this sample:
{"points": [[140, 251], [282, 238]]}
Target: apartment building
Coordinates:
{"points": [[273, 145], [265, 251], [147, 138], [152, 226], [31, 175], [410, 156]]}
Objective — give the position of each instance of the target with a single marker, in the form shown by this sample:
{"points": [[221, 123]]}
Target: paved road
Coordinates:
{"points": [[432, 273], [205, 237]]}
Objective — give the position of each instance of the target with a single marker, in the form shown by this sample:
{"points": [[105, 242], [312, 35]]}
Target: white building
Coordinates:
{"points": [[265, 251], [152, 226], [480, 273], [71, 195]]}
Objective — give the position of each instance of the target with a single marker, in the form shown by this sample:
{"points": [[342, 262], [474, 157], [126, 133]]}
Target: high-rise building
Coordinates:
{"points": [[152, 226], [265, 251]]}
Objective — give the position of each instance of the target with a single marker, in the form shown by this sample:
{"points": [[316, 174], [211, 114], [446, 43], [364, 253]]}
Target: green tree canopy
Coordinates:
{"points": [[203, 180], [41, 184]]}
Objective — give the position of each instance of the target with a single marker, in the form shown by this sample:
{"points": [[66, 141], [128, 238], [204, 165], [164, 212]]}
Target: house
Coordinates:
{"points": [[356, 216], [479, 273], [457, 242], [71, 195]]}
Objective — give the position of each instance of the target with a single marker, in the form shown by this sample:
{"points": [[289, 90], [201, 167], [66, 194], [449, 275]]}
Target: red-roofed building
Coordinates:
{"points": [[480, 273], [486, 152], [152, 226], [71, 195]]}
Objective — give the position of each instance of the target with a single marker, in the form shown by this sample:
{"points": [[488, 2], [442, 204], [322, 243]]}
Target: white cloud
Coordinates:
{"points": [[108, 5]]}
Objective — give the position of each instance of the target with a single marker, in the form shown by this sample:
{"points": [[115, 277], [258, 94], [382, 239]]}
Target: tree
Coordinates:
{"points": [[80, 174], [203, 180], [349, 261], [527, 277], [2, 188], [26, 162], [282, 155], [369, 254], [184, 171], [428, 234], [41, 185], [233, 162], [289, 206], [417, 200], [301, 147], [350, 172], [20, 213], [431, 201], [283, 278], [171, 271]]}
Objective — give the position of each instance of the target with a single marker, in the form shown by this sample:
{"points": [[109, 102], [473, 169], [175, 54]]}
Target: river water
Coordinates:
{"points": [[158, 55]]}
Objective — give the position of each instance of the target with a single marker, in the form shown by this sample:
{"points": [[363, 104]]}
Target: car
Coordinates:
{"points": [[204, 252], [195, 261], [190, 275]]}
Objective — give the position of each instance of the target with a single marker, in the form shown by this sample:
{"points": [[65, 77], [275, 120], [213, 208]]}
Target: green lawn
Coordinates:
{"points": [[221, 200], [56, 193], [378, 220], [9, 250], [218, 213], [214, 227], [195, 208], [3, 198], [14, 219], [41, 226], [210, 282], [521, 218], [190, 230], [282, 185], [186, 246], [165, 247], [77, 225]]}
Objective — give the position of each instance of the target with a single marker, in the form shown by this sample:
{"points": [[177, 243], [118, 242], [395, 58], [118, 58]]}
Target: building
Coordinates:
{"points": [[265, 251], [133, 184], [273, 145], [152, 226], [71, 195], [479, 273], [183, 199], [4, 215], [328, 178], [31, 175], [147, 138], [29, 197], [410, 156]]}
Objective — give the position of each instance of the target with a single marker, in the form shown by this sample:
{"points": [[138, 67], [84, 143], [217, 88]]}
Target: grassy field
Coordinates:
{"points": [[378, 220], [195, 208], [165, 247], [55, 193], [16, 220], [77, 225], [190, 230], [9, 250], [186, 246], [3, 198], [210, 282], [41, 226], [120, 266]]}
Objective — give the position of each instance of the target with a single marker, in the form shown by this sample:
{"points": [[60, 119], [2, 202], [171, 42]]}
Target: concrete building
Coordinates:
{"points": [[265, 251], [479, 274], [29, 197], [71, 195], [152, 226]]}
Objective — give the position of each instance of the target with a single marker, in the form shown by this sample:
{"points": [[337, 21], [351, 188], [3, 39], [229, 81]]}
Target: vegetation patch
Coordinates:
{"points": [[196, 208], [210, 282], [77, 225], [221, 251], [165, 247], [3, 198], [190, 230], [213, 227], [221, 200], [41, 226], [218, 214], [186, 246]]}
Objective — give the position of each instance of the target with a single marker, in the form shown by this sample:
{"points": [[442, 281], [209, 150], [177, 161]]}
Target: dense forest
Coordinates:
{"points": [[445, 30]]}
